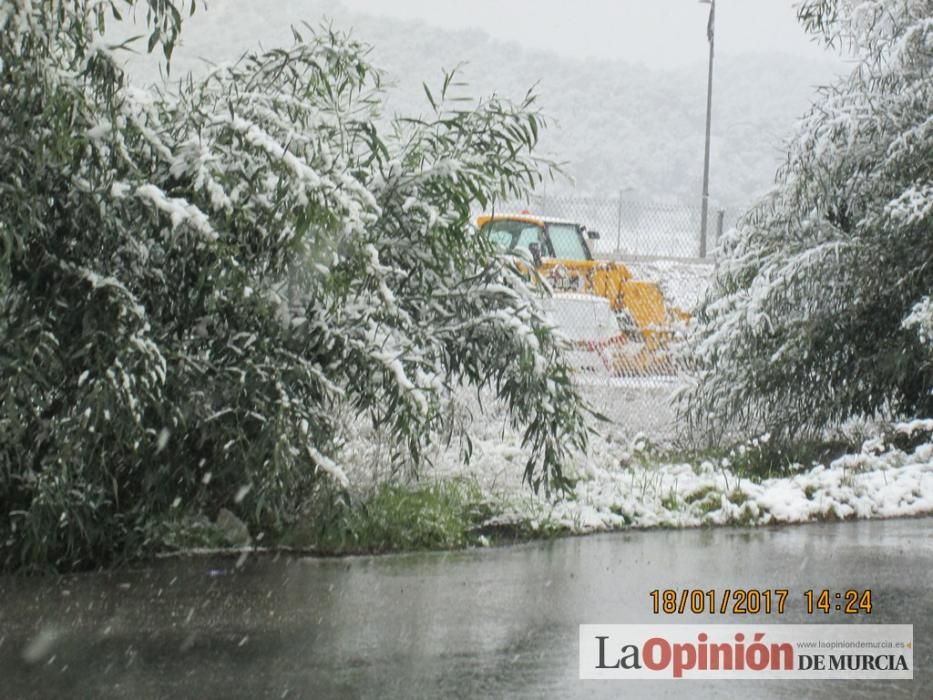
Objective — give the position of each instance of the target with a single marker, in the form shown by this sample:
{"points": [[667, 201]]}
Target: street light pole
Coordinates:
{"points": [[704, 216]]}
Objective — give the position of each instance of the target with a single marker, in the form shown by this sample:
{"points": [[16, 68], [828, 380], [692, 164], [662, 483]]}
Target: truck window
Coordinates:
{"points": [[530, 235], [567, 242], [509, 235], [500, 239]]}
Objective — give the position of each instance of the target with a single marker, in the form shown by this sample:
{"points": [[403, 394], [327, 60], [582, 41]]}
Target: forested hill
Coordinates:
{"points": [[616, 125]]}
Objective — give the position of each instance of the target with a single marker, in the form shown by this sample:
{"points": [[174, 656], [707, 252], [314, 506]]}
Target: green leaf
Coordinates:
{"points": [[153, 39], [427, 91]]}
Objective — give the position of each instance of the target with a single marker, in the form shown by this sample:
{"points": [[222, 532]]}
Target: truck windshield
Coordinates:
{"points": [[562, 241], [509, 235]]}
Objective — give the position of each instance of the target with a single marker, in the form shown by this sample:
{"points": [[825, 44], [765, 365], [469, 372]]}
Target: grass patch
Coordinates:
{"points": [[771, 459], [622, 513], [746, 518], [524, 530], [670, 502], [759, 458], [186, 531], [441, 515], [701, 494], [712, 502]]}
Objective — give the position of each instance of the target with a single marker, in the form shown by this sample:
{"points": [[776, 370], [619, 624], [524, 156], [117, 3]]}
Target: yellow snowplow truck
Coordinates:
{"points": [[562, 256]]}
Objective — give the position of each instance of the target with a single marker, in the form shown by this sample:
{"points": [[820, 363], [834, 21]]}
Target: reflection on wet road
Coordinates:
{"points": [[485, 623]]}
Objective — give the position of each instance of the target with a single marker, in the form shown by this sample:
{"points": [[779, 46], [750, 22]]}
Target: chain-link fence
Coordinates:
{"points": [[627, 312], [635, 228]]}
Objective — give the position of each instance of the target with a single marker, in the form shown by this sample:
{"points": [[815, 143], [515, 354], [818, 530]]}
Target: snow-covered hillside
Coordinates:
{"points": [[615, 125]]}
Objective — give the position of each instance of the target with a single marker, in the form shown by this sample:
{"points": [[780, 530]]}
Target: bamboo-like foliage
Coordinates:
{"points": [[823, 285], [196, 282]]}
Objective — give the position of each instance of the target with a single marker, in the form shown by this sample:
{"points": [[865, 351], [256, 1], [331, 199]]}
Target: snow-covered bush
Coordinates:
{"points": [[921, 320], [805, 324], [194, 281]]}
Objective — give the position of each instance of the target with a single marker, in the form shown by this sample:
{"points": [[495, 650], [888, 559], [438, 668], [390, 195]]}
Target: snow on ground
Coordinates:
{"points": [[684, 282], [621, 485], [689, 495]]}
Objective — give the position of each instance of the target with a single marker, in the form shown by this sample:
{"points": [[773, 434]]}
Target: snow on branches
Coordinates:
{"points": [[805, 324], [197, 281]]}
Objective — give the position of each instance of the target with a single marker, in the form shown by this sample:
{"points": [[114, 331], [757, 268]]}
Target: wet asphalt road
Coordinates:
{"points": [[484, 623]]}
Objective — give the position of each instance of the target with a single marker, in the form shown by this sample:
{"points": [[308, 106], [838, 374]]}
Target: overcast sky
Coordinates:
{"points": [[658, 33]]}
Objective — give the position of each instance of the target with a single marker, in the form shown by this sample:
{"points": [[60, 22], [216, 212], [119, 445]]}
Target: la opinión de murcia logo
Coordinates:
{"points": [[741, 651]]}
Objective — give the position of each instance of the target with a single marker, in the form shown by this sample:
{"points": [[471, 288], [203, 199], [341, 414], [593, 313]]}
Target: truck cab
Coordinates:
{"points": [[554, 238], [562, 256]]}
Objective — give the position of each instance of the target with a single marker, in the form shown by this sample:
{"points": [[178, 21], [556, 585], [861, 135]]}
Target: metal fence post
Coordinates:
{"points": [[619, 225], [720, 219], [703, 236]]}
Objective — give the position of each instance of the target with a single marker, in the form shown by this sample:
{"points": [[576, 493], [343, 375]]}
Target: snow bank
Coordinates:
{"points": [[619, 486]]}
